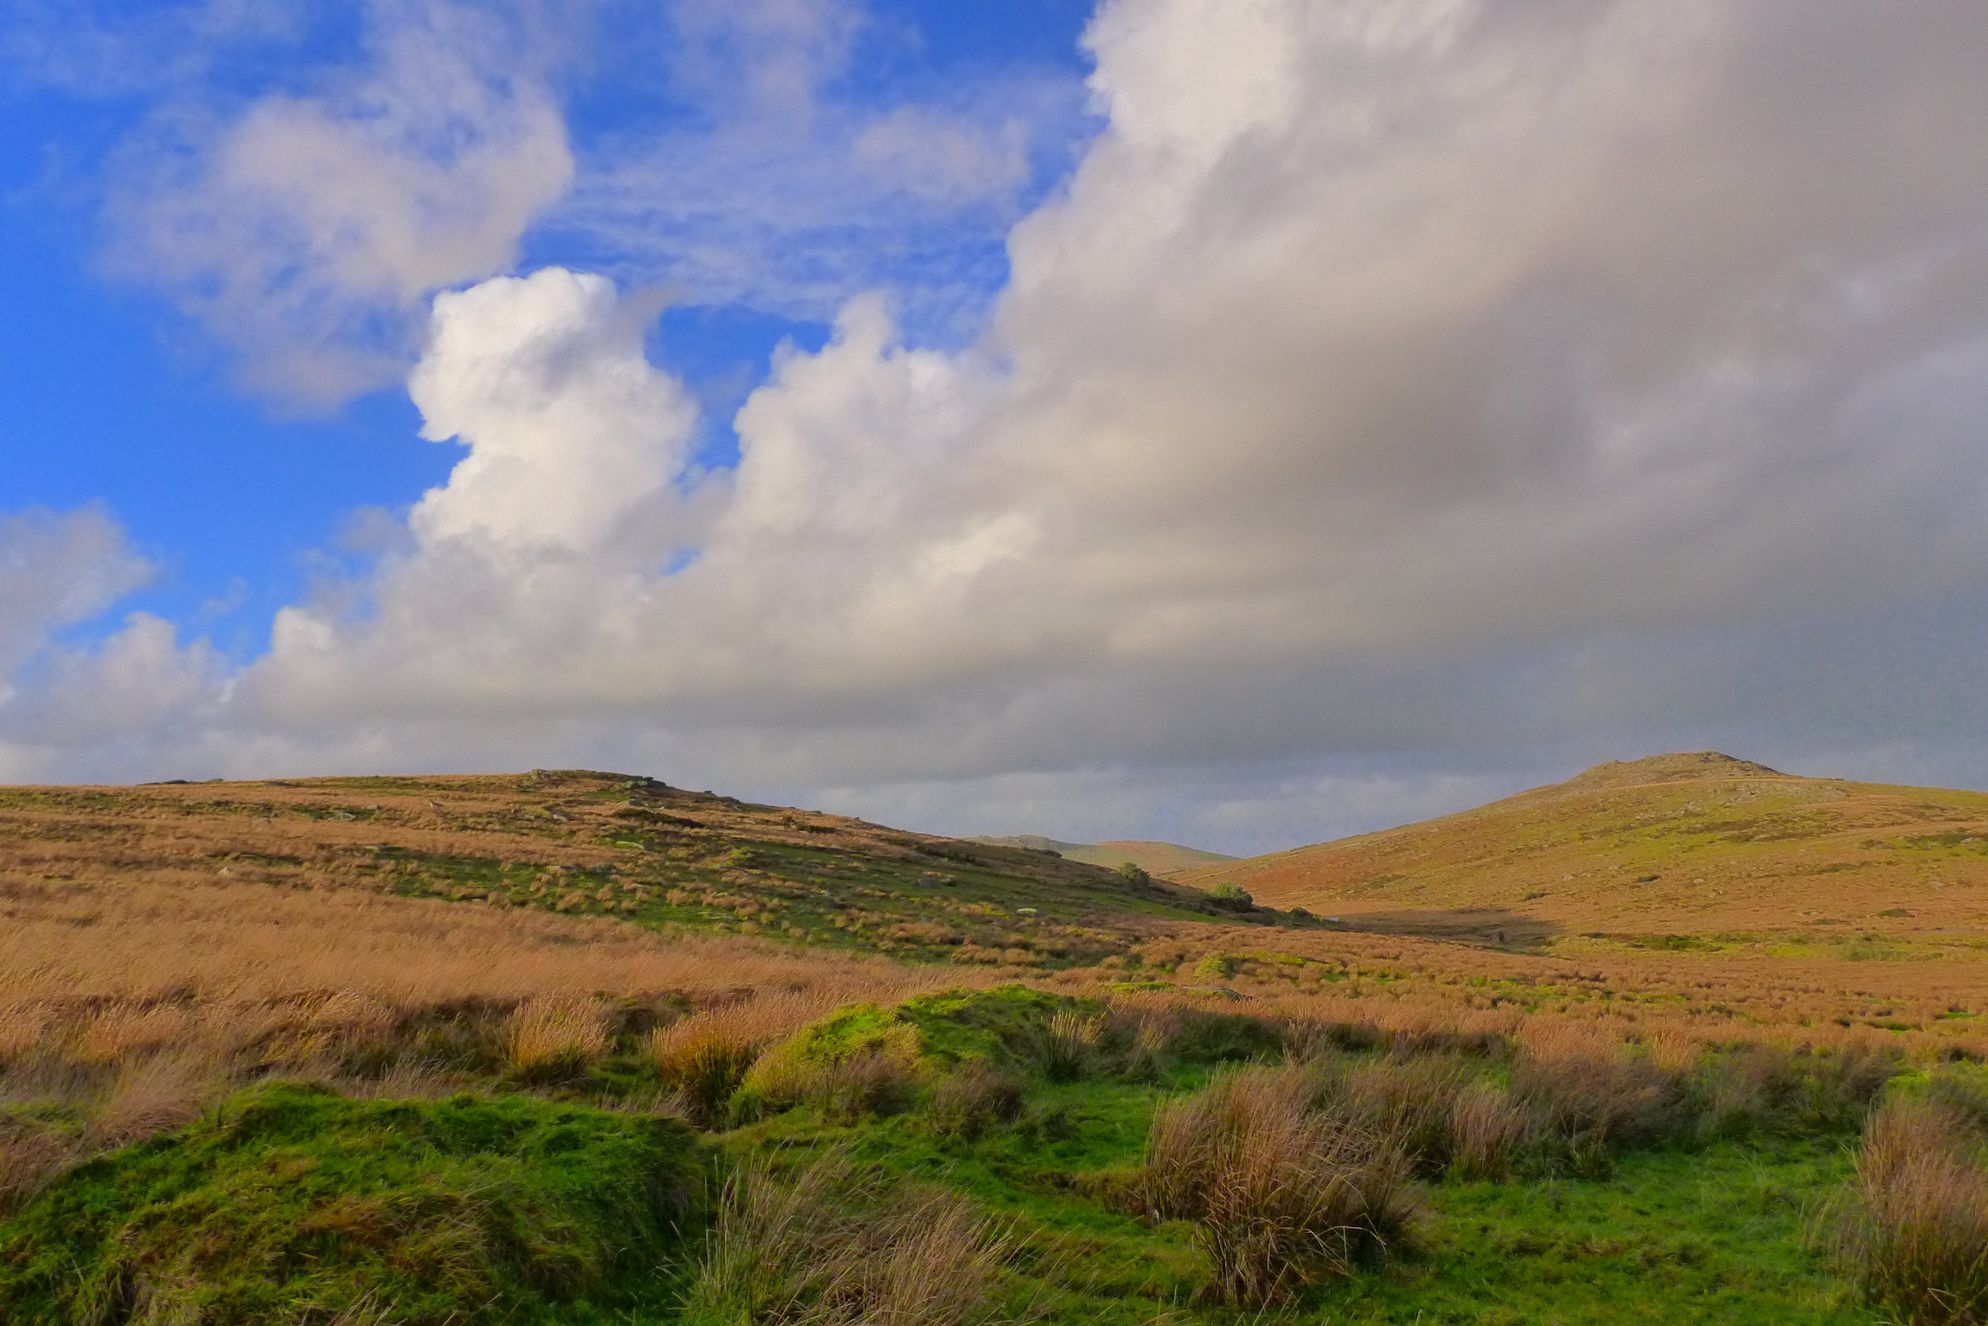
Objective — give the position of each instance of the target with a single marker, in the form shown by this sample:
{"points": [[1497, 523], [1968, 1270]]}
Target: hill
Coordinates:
{"points": [[1697, 846], [584, 843], [1155, 858], [572, 1047]]}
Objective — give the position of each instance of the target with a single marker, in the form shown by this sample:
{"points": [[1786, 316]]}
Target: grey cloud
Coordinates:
{"points": [[1401, 403]]}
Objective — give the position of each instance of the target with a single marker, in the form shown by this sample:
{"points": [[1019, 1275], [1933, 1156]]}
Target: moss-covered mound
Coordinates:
{"points": [[293, 1205]]}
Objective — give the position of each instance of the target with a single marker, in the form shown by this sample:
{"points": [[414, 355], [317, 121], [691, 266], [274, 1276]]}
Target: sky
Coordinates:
{"points": [[1241, 422]]}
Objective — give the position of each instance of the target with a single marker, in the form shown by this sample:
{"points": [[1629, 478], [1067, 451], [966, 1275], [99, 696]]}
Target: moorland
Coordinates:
{"points": [[1681, 1039]]}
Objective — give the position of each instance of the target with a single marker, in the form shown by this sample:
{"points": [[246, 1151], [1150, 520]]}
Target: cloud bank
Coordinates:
{"points": [[1417, 380]]}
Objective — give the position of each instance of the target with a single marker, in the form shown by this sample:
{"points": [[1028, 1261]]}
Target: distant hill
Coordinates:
{"points": [[1697, 844], [1155, 858], [584, 843]]}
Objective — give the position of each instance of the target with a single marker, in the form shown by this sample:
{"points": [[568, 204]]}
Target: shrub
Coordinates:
{"points": [[971, 1101], [1918, 1233], [1132, 873], [1280, 1197], [1230, 897]]}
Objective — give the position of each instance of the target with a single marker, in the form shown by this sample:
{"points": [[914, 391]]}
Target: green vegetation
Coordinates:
{"points": [[1180, 1108], [1231, 896], [292, 1205], [1040, 1157]]}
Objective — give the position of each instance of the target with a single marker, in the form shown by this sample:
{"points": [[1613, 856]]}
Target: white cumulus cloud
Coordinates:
{"points": [[1389, 378]]}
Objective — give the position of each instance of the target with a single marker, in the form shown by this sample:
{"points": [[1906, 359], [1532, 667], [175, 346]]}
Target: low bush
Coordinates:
{"points": [[1917, 1236], [1231, 897]]}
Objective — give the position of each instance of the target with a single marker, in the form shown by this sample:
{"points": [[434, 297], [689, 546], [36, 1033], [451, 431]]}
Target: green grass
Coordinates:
{"points": [[1690, 1236], [289, 1205], [1723, 1234]]}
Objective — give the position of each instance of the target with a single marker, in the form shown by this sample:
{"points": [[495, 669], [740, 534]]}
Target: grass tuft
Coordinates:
{"points": [[1918, 1233], [1281, 1197], [831, 1246]]}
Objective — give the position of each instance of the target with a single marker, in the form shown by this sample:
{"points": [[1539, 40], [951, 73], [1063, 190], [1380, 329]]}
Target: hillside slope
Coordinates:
{"points": [[584, 843], [1155, 858], [1679, 845]]}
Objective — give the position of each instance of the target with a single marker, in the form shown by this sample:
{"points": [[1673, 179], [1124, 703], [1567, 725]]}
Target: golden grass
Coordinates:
{"points": [[1918, 1236], [138, 1004], [1281, 1197], [560, 1033], [829, 1245], [1673, 845]]}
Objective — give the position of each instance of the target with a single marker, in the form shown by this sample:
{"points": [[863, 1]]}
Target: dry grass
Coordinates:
{"points": [[137, 1005], [831, 1246], [1280, 1196], [1593, 1101], [150, 1096], [1918, 1237], [706, 1055], [969, 1102], [31, 1156], [1487, 1132], [1068, 1044], [557, 1035], [1768, 852]]}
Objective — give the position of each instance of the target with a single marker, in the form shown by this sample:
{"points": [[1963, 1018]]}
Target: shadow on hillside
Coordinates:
{"points": [[1478, 925]]}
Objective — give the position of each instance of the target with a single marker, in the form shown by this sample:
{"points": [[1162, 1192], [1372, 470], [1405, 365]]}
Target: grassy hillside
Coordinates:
{"points": [[592, 844], [1675, 849], [1155, 858], [574, 1047]]}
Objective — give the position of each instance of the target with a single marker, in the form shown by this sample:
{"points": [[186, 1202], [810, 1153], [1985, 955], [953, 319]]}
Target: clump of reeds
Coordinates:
{"points": [[556, 1036], [828, 1245], [1281, 1197], [1917, 1235], [705, 1056], [967, 1103]]}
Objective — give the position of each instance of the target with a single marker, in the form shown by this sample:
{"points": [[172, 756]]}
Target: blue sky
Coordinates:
{"points": [[114, 398], [1232, 423]]}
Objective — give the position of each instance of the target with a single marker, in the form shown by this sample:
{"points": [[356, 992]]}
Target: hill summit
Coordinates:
{"points": [[1697, 846], [1669, 769]]}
